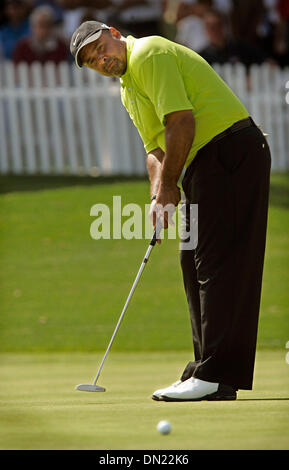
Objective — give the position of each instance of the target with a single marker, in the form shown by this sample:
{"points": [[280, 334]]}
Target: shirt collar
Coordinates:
{"points": [[130, 40]]}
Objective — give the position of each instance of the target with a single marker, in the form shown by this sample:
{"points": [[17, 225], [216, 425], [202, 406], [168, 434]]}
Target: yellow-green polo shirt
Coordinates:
{"points": [[163, 77]]}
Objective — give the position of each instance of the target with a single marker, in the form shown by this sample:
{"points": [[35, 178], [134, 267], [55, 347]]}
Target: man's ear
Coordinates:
{"points": [[115, 33]]}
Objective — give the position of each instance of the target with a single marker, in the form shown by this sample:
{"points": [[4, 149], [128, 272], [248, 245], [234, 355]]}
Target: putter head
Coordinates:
{"points": [[89, 388]]}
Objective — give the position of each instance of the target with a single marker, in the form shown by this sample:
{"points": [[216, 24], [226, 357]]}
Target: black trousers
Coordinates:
{"points": [[229, 180]]}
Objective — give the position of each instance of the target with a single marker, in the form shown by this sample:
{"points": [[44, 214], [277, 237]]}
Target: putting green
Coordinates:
{"points": [[61, 290], [39, 408]]}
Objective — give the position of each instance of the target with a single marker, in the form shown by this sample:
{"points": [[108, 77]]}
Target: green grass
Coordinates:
{"points": [[61, 294], [41, 410], [60, 290]]}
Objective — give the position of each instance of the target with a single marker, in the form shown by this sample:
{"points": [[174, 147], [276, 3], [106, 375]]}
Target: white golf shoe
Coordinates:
{"points": [[157, 395], [195, 390]]}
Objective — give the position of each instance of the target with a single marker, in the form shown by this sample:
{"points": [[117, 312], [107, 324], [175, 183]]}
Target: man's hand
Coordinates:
{"points": [[154, 217], [168, 198], [168, 194], [163, 207]]}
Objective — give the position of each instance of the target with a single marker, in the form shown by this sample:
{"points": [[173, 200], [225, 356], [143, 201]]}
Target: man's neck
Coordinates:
{"points": [[124, 42]]}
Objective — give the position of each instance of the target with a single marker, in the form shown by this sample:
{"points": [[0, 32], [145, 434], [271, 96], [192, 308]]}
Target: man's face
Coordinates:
{"points": [[42, 28], [106, 55], [15, 11], [215, 27]]}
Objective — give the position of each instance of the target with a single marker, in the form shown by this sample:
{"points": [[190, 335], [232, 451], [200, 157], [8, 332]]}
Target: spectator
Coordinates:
{"points": [[191, 31], [222, 49], [2, 14], [16, 26], [281, 34], [266, 21], [137, 17], [190, 26], [247, 17], [75, 10], [192, 7], [43, 44], [58, 10], [262, 23]]}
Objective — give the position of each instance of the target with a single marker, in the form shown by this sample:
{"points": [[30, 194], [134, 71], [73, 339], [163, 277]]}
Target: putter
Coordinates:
{"points": [[96, 388]]}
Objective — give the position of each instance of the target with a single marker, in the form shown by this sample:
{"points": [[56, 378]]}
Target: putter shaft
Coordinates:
{"points": [[146, 257]]}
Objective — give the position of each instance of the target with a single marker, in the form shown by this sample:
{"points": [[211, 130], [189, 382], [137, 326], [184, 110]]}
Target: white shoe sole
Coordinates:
{"points": [[216, 396], [156, 398]]}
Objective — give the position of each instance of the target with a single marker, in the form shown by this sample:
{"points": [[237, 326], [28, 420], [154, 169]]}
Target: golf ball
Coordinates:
{"points": [[164, 427]]}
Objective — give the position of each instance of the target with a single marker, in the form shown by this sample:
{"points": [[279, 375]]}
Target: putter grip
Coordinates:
{"points": [[156, 234], [154, 238]]}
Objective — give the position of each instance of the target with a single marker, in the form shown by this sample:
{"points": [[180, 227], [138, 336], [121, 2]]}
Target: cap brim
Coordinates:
{"points": [[90, 39]]}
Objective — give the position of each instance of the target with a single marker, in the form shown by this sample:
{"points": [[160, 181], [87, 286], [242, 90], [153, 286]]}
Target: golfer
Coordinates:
{"points": [[189, 118]]}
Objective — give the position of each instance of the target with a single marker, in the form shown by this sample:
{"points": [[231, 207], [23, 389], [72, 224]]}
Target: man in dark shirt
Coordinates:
{"points": [[15, 26], [222, 50]]}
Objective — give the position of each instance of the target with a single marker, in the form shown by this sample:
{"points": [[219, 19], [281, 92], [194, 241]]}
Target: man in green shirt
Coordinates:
{"points": [[189, 118]]}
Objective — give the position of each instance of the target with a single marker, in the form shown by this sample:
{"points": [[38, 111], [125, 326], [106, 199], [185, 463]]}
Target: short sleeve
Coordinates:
{"points": [[150, 146], [163, 83]]}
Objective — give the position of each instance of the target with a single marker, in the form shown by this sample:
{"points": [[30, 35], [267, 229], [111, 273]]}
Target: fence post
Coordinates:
{"points": [[50, 72], [13, 123], [41, 128], [69, 128], [27, 120], [4, 167], [81, 118]]}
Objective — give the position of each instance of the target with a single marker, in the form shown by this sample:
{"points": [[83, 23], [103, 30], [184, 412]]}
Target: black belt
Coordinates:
{"points": [[247, 122]]}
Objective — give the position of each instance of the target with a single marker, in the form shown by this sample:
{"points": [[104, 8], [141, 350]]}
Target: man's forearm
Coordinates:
{"points": [[179, 135], [164, 171], [154, 166]]}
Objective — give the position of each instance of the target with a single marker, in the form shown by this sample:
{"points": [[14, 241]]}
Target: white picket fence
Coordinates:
{"points": [[62, 120]]}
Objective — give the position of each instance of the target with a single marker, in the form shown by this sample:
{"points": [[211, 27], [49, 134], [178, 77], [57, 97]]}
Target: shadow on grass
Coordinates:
{"points": [[262, 399], [279, 188], [17, 183]]}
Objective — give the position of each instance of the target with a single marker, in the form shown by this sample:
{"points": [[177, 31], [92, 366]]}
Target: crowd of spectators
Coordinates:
{"points": [[246, 31]]}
